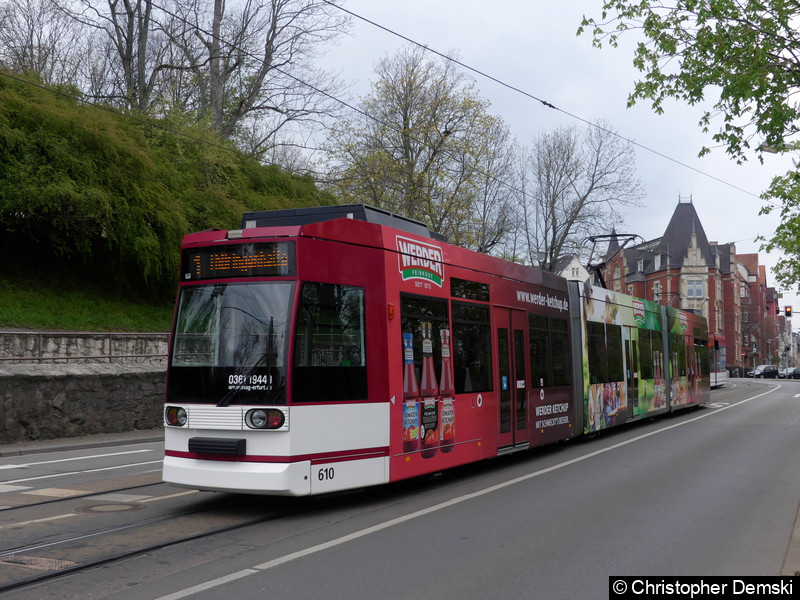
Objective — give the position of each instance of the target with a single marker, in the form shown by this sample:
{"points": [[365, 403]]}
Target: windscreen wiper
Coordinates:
{"points": [[265, 359]]}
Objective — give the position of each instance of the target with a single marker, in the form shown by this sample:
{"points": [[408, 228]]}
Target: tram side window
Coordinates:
{"points": [[549, 350], [614, 347], [657, 342], [329, 345], [596, 342], [472, 348], [560, 351], [605, 352], [540, 351], [415, 313], [645, 355], [469, 290], [679, 354], [703, 357]]}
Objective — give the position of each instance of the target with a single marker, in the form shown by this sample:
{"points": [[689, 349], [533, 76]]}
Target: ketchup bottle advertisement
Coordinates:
{"points": [[428, 389], [447, 420], [410, 397]]}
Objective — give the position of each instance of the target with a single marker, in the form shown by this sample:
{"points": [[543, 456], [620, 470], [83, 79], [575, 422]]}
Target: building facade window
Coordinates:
{"points": [[657, 291], [694, 288]]}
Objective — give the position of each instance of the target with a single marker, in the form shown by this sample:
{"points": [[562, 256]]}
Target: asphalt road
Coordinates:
{"points": [[711, 491]]}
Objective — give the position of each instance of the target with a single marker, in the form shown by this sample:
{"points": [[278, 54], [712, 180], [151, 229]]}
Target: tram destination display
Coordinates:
{"points": [[266, 259]]}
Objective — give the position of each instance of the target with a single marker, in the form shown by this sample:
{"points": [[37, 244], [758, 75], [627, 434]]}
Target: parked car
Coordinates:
{"points": [[766, 372], [794, 373], [784, 373]]}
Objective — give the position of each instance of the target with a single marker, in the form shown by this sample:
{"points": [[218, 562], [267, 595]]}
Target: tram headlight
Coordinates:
{"points": [[175, 416], [264, 418]]}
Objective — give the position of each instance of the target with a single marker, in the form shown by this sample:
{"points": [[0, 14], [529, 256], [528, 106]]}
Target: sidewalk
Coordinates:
{"points": [[77, 443]]}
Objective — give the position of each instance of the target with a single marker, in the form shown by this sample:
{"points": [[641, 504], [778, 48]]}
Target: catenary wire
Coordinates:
{"points": [[536, 98]]}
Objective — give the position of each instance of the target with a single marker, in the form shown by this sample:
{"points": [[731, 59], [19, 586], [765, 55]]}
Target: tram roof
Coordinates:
{"points": [[317, 214], [364, 225]]}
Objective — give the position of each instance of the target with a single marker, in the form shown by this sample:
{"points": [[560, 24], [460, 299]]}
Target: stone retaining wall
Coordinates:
{"points": [[71, 347], [79, 385]]}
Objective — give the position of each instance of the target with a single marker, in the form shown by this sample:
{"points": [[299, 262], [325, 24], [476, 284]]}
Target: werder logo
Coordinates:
{"points": [[420, 261], [638, 311]]}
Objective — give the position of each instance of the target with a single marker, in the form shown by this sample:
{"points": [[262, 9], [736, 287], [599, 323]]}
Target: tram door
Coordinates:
{"points": [[512, 377], [692, 360], [631, 370]]}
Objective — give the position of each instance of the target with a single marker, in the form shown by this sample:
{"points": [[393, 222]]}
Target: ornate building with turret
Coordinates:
{"points": [[682, 268]]}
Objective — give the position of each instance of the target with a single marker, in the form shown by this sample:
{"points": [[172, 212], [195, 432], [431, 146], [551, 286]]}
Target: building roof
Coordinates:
{"points": [[678, 236], [673, 246]]}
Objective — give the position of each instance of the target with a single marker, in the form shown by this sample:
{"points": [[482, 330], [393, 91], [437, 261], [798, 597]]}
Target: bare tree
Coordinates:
{"points": [[495, 190], [578, 182], [244, 69], [252, 65], [35, 37], [125, 67], [423, 145]]}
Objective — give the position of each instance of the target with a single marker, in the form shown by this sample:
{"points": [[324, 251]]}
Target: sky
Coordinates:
{"points": [[532, 45]]}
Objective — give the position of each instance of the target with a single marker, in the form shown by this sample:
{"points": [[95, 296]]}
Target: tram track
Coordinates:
{"points": [[70, 554], [90, 494]]}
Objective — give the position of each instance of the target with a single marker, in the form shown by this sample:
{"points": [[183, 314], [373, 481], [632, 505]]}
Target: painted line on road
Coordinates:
{"points": [[426, 511], [178, 495], [150, 462], [25, 523], [60, 460]]}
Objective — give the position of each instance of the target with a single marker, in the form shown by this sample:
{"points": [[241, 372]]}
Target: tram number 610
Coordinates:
{"points": [[325, 474]]}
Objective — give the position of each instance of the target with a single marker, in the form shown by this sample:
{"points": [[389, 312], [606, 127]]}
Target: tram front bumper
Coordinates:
{"points": [[275, 479]]}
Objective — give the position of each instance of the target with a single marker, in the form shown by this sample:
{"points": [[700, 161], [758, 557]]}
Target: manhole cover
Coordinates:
{"points": [[104, 508], [37, 562]]}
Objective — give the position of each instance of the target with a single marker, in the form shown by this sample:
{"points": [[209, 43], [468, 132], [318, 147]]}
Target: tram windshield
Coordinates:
{"points": [[229, 344]]}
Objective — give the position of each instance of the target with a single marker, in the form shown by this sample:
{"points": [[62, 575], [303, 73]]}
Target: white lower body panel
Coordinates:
{"points": [[276, 479], [285, 479]]}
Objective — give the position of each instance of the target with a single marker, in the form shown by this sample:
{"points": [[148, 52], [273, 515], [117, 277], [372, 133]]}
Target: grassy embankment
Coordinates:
{"points": [[31, 304]]}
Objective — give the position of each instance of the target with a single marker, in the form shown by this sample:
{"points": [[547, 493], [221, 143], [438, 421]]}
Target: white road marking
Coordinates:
{"points": [[150, 462], [60, 460], [25, 523]]}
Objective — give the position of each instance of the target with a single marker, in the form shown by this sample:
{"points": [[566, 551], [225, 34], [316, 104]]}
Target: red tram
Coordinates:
{"points": [[317, 350]]}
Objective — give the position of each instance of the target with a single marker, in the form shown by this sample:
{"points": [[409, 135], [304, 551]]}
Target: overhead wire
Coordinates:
{"points": [[356, 109], [477, 72], [542, 101]]}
